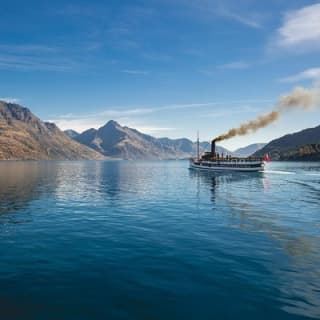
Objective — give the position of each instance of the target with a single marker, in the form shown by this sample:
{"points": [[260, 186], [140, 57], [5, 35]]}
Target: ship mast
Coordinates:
{"points": [[198, 142]]}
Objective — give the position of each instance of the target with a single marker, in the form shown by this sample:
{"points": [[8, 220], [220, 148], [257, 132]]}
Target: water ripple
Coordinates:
{"points": [[154, 240]]}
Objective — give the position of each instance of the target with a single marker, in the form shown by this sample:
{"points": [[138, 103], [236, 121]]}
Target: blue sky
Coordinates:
{"points": [[165, 67]]}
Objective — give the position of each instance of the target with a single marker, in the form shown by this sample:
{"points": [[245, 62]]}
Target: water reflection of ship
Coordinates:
{"points": [[241, 212], [220, 179], [248, 215]]}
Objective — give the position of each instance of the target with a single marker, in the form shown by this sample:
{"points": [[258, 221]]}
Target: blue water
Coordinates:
{"points": [[154, 240]]}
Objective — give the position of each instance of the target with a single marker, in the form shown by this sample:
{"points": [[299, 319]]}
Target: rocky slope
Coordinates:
{"points": [[23, 136], [303, 145], [116, 141]]}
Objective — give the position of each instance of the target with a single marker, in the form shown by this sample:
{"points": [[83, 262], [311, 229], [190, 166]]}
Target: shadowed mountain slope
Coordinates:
{"points": [[302, 145]]}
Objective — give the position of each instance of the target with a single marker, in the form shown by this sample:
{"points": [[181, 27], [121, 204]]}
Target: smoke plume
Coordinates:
{"points": [[299, 97]]}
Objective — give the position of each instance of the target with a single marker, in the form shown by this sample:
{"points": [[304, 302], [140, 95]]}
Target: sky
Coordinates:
{"points": [[165, 67]]}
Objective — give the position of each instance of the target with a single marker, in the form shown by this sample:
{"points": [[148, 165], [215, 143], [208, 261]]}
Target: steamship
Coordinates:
{"points": [[214, 161]]}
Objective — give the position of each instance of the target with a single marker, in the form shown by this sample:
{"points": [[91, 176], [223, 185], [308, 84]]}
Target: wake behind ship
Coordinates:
{"points": [[214, 161]]}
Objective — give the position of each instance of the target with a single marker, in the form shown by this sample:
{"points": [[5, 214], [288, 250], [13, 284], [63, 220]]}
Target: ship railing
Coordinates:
{"points": [[232, 159]]}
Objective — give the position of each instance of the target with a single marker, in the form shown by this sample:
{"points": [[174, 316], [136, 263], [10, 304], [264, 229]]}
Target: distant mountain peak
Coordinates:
{"points": [[112, 124], [71, 133], [91, 130], [116, 141]]}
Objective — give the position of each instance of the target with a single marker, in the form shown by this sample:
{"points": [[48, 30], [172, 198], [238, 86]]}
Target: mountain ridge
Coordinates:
{"points": [[301, 145], [23, 136], [116, 141]]}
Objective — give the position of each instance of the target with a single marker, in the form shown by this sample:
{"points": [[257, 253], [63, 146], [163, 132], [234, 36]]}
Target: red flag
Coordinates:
{"points": [[266, 157]]}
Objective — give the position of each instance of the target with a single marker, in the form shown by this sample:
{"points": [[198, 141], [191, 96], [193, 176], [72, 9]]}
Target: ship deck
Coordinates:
{"points": [[237, 164]]}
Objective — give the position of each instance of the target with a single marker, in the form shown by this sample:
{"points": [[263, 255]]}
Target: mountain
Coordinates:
{"points": [[24, 136], [71, 133], [116, 141], [248, 150], [302, 145]]}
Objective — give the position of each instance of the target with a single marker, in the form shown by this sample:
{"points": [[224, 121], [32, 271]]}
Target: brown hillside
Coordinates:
{"points": [[23, 136]]}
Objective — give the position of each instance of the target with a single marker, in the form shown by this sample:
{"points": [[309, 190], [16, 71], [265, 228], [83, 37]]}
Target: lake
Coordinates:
{"points": [[155, 240]]}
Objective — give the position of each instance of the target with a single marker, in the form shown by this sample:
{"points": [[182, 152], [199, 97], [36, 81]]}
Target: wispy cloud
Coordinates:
{"points": [[81, 122], [78, 124], [157, 56], [10, 100], [84, 10], [309, 74], [208, 71], [231, 112], [151, 129], [27, 48], [120, 112], [235, 65], [26, 63], [116, 113], [248, 20], [135, 72], [36, 57], [224, 9], [81, 125], [300, 29]]}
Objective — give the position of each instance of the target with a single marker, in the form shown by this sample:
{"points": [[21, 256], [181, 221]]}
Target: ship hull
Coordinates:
{"points": [[215, 167]]}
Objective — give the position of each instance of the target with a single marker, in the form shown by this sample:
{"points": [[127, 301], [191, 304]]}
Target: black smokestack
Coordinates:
{"points": [[213, 147]]}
